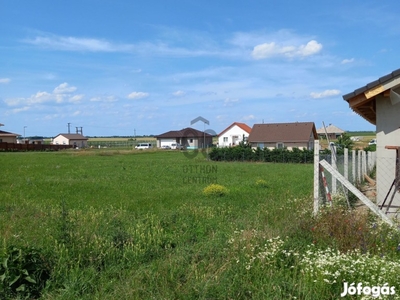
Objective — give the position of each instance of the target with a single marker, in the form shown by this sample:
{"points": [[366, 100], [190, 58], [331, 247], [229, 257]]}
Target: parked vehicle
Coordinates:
{"points": [[166, 147], [176, 146], [372, 142], [142, 146]]}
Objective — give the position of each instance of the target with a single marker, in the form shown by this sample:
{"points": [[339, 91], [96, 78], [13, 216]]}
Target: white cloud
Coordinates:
{"points": [[60, 94], [76, 44], [272, 49], [76, 98], [347, 61], [325, 94], [179, 93], [5, 80], [138, 95], [248, 118], [104, 99], [17, 110], [76, 113], [64, 88], [229, 101]]}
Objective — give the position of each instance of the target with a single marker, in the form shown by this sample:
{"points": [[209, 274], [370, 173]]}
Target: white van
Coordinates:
{"points": [[143, 146]]}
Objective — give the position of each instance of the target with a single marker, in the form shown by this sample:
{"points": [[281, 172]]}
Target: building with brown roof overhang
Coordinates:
{"points": [[74, 139], [8, 137], [283, 135], [331, 130], [378, 102], [189, 138]]}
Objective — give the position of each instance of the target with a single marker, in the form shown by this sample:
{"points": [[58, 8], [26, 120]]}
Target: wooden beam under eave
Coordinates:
{"points": [[358, 100]]}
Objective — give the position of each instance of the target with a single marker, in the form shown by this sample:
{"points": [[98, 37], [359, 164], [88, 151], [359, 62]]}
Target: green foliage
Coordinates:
{"points": [[261, 183], [246, 153], [215, 190], [370, 148], [24, 272], [344, 141], [132, 226]]}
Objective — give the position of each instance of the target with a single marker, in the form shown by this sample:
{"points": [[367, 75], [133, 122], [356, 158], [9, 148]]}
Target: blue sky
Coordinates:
{"points": [[120, 67]]}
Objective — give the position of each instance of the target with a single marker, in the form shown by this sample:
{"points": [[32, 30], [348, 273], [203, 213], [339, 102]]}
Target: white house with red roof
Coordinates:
{"points": [[233, 135]]}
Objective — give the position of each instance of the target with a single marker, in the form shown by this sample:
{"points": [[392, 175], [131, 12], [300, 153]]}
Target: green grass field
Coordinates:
{"points": [[137, 225]]}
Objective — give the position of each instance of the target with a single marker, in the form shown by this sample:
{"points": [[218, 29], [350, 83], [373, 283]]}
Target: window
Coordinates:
{"points": [[225, 139], [280, 145], [260, 145], [191, 140]]}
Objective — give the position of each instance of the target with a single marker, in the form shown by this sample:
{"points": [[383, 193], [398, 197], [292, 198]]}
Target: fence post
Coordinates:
{"points": [[370, 165], [359, 166], [346, 163], [353, 158], [364, 164], [316, 176], [334, 165]]}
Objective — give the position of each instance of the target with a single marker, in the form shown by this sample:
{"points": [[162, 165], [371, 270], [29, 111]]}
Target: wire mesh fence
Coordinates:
{"points": [[129, 144], [355, 166]]}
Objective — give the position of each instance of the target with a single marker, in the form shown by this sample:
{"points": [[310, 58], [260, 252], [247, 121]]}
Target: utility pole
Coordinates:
{"points": [[69, 127]]}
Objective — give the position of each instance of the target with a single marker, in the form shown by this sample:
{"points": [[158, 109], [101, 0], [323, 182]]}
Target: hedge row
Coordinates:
{"points": [[241, 153]]}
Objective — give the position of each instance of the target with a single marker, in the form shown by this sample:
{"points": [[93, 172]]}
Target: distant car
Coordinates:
{"points": [[166, 147], [142, 146], [176, 146], [372, 142]]}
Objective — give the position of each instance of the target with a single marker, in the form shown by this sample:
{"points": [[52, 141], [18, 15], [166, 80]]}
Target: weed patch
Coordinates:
{"points": [[215, 190]]}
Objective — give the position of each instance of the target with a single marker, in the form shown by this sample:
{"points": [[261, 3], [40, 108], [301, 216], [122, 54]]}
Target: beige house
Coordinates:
{"points": [[8, 137], [74, 139], [331, 130], [378, 102], [299, 135]]}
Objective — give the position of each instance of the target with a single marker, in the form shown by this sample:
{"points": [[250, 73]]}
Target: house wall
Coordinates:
{"points": [[60, 140], [195, 143], [8, 139], [78, 143], [287, 145], [387, 134], [331, 135], [165, 142], [230, 134]]}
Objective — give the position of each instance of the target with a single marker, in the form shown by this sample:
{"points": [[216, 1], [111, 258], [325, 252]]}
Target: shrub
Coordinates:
{"points": [[215, 190], [261, 183], [241, 153], [23, 272]]}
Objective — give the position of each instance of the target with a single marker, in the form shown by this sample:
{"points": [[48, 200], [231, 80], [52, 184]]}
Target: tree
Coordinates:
{"points": [[344, 141]]}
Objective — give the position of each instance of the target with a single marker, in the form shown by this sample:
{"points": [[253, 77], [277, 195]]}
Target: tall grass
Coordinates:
{"points": [[138, 225]]}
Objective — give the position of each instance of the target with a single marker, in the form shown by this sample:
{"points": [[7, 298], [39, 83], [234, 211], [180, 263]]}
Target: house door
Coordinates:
{"points": [[235, 139]]}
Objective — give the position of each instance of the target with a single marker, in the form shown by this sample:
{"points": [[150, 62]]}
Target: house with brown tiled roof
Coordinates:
{"points": [[283, 135], [378, 102], [234, 134], [189, 138], [75, 139]]}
